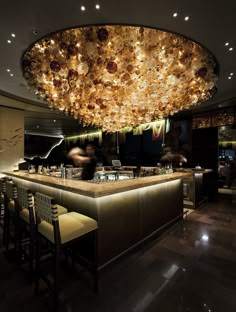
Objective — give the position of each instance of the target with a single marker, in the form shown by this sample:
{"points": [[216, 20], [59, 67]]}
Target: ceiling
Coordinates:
{"points": [[212, 24]]}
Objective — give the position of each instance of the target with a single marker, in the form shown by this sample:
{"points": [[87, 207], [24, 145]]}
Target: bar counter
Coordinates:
{"points": [[127, 211], [94, 189]]}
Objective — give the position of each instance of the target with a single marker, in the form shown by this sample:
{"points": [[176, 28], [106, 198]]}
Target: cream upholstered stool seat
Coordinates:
{"points": [[2, 199], [11, 206], [62, 231], [72, 225]]}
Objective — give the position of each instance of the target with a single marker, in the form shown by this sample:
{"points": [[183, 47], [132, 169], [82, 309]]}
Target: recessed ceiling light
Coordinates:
{"points": [[37, 126], [11, 75], [226, 44], [231, 74], [54, 120], [82, 8], [8, 70], [229, 77], [9, 41], [231, 49], [13, 35], [97, 6], [186, 18], [175, 14]]}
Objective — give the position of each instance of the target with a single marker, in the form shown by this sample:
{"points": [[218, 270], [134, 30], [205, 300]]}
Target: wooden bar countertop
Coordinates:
{"points": [[95, 190]]}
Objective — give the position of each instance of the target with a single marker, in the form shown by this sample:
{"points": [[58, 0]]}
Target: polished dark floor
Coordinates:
{"points": [[191, 267]]}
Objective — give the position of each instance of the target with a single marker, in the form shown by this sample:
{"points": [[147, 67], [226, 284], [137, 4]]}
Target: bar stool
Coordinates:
{"points": [[27, 224], [62, 231], [10, 221]]}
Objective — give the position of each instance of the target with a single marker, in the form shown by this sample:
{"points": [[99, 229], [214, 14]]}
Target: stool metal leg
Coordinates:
{"points": [[5, 223], [37, 265], [56, 270], [19, 244], [95, 263], [7, 228]]}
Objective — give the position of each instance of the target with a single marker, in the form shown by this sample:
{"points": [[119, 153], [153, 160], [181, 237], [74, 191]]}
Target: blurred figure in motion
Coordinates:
{"points": [[173, 158], [86, 159], [224, 172]]}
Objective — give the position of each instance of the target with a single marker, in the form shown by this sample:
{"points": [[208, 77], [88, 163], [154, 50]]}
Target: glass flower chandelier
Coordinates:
{"points": [[117, 76]]}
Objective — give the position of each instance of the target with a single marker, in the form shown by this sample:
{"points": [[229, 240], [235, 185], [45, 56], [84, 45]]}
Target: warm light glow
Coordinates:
{"points": [[90, 136], [112, 77], [175, 14], [82, 8], [97, 6]]}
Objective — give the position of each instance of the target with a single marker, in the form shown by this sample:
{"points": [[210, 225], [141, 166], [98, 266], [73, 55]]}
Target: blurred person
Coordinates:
{"points": [[86, 159], [224, 171], [173, 157]]}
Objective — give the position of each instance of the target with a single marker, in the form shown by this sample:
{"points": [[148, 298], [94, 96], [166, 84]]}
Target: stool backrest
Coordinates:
{"points": [[11, 190], [46, 208], [24, 197], [2, 186]]}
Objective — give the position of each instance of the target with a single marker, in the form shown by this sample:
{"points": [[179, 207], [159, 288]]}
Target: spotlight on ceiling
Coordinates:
{"points": [[37, 126], [8, 70], [82, 8], [13, 35], [9, 41], [231, 74], [11, 75], [97, 6], [229, 77], [186, 18], [226, 44], [54, 120], [231, 49], [175, 14]]}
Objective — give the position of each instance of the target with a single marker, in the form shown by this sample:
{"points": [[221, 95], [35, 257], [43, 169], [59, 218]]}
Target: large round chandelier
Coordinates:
{"points": [[117, 76]]}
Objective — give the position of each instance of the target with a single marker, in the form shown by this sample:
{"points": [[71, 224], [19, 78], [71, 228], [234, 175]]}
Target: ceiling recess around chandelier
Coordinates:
{"points": [[116, 76]]}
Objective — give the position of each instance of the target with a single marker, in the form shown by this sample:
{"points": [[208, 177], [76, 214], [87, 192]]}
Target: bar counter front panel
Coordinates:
{"points": [[134, 210]]}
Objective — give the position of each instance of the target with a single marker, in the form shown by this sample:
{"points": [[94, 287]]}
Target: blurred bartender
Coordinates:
{"points": [[173, 158], [86, 159]]}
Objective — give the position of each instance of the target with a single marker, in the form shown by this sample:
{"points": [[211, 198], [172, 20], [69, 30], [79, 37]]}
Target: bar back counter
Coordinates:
{"points": [[127, 211]]}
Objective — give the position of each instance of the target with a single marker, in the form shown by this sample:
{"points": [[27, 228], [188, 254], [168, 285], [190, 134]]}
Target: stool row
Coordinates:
{"points": [[36, 226]]}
